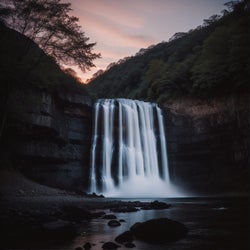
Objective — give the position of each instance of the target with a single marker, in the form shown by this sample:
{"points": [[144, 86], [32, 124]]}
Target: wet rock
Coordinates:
{"points": [[110, 245], [87, 246], [94, 195], [159, 230], [114, 223], [124, 209], [129, 245], [78, 248], [122, 220], [109, 217], [125, 237], [156, 205]]}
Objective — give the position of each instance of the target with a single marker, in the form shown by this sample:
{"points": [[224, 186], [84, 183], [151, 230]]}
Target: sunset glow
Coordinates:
{"points": [[122, 28]]}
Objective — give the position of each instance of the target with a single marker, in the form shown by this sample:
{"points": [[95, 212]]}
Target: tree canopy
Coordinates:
{"points": [[48, 23], [212, 59]]}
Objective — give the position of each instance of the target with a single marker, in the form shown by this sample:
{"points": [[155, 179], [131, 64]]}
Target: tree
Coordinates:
{"points": [[48, 23]]}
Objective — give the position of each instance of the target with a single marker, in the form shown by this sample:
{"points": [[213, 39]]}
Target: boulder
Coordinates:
{"points": [[156, 205], [129, 245], [125, 209], [109, 217], [159, 230], [110, 245], [125, 237], [87, 246], [114, 223]]}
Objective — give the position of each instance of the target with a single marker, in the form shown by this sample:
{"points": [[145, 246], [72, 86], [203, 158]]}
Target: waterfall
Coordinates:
{"points": [[129, 152]]}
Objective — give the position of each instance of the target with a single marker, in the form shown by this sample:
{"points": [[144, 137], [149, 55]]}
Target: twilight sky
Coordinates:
{"points": [[122, 27]]}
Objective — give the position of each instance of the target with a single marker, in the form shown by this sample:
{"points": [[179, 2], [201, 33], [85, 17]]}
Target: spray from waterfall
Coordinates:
{"points": [[129, 151]]}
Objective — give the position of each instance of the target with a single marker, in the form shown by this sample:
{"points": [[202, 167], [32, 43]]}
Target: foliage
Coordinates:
{"points": [[18, 73], [212, 59], [48, 23]]}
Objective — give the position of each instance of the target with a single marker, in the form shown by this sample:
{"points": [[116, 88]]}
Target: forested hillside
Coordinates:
{"points": [[211, 60]]}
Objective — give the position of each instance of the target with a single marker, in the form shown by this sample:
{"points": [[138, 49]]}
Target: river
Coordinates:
{"points": [[213, 223]]}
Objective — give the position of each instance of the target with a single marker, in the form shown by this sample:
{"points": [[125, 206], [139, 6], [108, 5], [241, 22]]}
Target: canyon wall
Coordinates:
{"points": [[208, 144], [54, 139]]}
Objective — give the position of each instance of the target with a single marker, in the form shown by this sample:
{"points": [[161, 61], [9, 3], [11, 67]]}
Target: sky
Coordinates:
{"points": [[120, 28]]}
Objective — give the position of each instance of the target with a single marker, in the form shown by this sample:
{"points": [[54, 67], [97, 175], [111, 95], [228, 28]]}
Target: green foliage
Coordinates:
{"points": [[211, 60]]}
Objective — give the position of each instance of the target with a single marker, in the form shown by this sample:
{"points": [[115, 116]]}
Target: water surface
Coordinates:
{"points": [[213, 223]]}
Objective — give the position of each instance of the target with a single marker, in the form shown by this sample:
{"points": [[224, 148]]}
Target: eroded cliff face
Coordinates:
{"points": [[207, 140], [208, 146], [54, 142]]}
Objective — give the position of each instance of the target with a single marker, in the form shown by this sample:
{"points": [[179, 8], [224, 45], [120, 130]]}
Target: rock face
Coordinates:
{"points": [[54, 145], [159, 230], [207, 141], [208, 144]]}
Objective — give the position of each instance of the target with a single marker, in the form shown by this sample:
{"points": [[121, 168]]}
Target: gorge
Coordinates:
{"points": [[207, 142]]}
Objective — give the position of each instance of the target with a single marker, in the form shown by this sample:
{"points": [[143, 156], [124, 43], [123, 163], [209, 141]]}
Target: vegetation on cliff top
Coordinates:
{"points": [[38, 38], [212, 59]]}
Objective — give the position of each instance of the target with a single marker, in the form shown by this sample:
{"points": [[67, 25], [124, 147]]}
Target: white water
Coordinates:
{"points": [[129, 153]]}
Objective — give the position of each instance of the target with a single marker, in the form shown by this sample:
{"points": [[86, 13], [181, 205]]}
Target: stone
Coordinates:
{"points": [[78, 248], [109, 217], [127, 236], [110, 245], [114, 223], [87, 246], [156, 205], [124, 209], [129, 245], [159, 230]]}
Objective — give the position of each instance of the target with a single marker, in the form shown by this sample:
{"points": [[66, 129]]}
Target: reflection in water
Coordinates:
{"points": [[210, 227]]}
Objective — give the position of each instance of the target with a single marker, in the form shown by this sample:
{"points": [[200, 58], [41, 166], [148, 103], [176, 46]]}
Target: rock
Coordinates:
{"points": [[125, 237], [124, 209], [122, 220], [156, 205], [129, 245], [114, 223], [94, 195], [110, 245], [159, 230], [109, 217], [78, 248], [87, 246]]}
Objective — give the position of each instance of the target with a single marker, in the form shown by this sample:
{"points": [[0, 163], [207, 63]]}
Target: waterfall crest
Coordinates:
{"points": [[129, 152]]}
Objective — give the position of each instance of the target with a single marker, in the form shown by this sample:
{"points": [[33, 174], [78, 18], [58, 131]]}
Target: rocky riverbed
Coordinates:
{"points": [[32, 213]]}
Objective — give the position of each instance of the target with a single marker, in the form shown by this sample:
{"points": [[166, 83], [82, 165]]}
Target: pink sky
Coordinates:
{"points": [[121, 28]]}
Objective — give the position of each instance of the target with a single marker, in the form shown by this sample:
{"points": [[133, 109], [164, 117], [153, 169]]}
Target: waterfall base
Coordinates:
{"points": [[143, 187], [129, 150]]}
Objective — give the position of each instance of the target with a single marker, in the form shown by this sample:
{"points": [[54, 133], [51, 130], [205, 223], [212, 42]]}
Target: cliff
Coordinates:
{"points": [[207, 141], [53, 137], [208, 144]]}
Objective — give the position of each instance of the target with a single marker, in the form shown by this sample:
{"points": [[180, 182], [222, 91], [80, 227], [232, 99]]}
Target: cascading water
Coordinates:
{"points": [[129, 153]]}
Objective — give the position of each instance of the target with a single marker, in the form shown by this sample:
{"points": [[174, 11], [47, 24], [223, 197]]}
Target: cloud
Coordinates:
{"points": [[113, 10], [104, 29]]}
